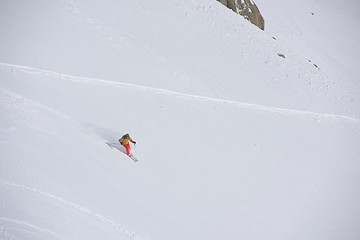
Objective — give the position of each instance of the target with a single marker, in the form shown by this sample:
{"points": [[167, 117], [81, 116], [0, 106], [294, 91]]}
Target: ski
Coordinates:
{"points": [[119, 147]]}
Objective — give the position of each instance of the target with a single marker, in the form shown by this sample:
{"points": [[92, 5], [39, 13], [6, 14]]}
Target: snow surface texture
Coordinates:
{"points": [[234, 142]]}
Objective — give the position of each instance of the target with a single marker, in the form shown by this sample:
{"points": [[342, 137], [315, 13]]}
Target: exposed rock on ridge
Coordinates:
{"points": [[248, 9]]}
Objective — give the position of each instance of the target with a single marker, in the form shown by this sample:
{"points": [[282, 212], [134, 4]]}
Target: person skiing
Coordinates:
{"points": [[124, 140]]}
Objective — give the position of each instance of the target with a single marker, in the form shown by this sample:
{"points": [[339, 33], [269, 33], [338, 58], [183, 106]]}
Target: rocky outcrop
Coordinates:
{"points": [[229, 3], [247, 9]]}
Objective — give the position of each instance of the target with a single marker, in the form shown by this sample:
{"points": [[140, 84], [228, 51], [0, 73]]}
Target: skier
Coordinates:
{"points": [[124, 140]]}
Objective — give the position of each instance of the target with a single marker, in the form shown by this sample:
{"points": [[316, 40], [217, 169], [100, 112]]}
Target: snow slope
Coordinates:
{"points": [[234, 142], [327, 32]]}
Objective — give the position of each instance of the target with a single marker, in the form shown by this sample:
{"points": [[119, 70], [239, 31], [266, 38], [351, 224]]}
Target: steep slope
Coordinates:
{"points": [[325, 32], [231, 144], [273, 176], [192, 47]]}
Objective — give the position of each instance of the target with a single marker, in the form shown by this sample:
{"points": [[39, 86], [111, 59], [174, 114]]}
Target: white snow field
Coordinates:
{"points": [[233, 141]]}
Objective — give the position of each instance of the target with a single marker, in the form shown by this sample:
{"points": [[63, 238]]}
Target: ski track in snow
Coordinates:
{"points": [[35, 228], [21, 102], [126, 231], [79, 79]]}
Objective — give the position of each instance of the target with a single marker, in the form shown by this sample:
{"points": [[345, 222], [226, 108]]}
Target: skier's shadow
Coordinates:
{"points": [[117, 146]]}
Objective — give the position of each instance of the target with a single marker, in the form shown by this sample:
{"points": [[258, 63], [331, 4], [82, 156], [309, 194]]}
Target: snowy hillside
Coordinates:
{"points": [[234, 142]]}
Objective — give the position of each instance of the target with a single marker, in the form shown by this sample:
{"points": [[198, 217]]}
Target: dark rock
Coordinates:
{"points": [[247, 9]]}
